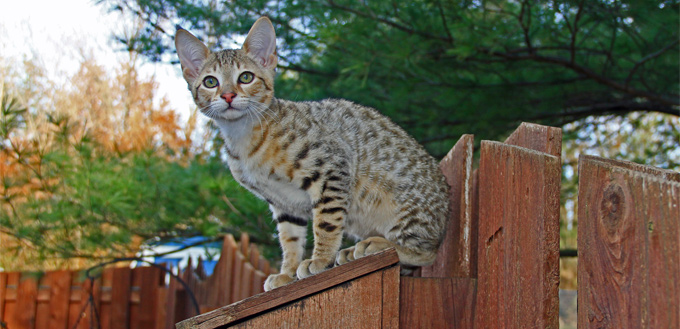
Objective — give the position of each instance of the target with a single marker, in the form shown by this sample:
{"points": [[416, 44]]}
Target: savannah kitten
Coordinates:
{"points": [[343, 166]]}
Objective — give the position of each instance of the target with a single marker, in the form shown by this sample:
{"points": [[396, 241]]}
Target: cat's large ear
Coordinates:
{"points": [[260, 43], [192, 53]]}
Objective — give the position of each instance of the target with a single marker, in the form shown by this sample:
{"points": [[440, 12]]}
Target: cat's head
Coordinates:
{"points": [[228, 84]]}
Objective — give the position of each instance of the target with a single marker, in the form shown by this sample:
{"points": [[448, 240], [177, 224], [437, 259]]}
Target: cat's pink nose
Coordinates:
{"points": [[229, 97]]}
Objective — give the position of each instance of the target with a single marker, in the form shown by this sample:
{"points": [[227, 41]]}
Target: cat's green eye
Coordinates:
{"points": [[246, 77], [210, 82]]}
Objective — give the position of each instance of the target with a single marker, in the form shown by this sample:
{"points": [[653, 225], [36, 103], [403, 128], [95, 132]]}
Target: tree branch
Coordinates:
{"points": [[649, 58], [443, 18], [615, 108], [586, 72], [301, 69], [406, 29]]}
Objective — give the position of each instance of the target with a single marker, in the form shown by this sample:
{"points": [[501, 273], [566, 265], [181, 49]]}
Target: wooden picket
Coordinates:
{"points": [[459, 248], [629, 245], [124, 298], [518, 245]]}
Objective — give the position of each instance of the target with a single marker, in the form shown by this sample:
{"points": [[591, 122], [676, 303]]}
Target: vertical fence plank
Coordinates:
{"points": [[229, 255], [247, 280], [90, 297], [11, 298], [244, 244], [160, 311], [437, 302], [390, 298], [60, 294], [518, 246], [3, 293], [457, 255], [149, 281], [189, 279], [629, 245], [254, 255], [237, 272], [27, 294], [258, 282], [121, 283], [537, 137], [42, 311], [105, 308], [170, 303]]}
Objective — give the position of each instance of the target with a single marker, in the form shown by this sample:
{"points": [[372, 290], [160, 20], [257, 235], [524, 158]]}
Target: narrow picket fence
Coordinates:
{"points": [[121, 297]]}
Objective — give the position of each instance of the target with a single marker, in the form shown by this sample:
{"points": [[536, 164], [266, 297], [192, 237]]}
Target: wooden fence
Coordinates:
{"points": [[499, 264], [143, 297]]}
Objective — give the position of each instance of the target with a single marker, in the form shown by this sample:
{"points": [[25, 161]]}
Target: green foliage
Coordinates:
{"points": [[76, 183], [88, 204], [443, 68]]}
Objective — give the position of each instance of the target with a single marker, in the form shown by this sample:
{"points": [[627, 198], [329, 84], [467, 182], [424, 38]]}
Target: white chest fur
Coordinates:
{"points": [[279, 193]]}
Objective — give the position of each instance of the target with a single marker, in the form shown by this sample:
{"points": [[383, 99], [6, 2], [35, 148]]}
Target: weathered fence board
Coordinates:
{"points": [[351, 305], [277, 299], [437, 302], [457, 256], [537, 137], [629, 245], [518, 246], [27, 294], [121, 282]]}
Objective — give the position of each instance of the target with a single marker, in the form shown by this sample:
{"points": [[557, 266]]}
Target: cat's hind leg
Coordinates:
{"points": [[410, 257], [292, 232]]}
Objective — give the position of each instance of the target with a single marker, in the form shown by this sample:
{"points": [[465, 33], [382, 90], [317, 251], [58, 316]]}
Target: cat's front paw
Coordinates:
{"points": [[277, 280], [345, 256], [371, 246], [313, 266]]}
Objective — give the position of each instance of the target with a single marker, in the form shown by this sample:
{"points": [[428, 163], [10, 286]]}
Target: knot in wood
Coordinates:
{"points": [[612, 208]]}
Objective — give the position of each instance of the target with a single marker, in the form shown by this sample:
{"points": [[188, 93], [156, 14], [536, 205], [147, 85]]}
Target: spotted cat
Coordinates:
{"points": [[344, 166]]}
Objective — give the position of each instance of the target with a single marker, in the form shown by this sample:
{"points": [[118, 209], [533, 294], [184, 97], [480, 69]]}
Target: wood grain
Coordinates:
{"points": [[538, 138], [457, 256], [629, 245], [437, 302], [518, 246], [267, 301], [60, 288], [27, 294], [391, 299], [149, 281], [121, 283], [3, 292], [353, 304]]}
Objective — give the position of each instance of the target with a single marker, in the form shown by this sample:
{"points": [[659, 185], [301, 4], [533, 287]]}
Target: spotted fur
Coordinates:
{"points": [[342, 166]]}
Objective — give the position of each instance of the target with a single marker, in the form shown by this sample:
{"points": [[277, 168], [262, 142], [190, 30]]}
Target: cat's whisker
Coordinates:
{"points": [[263, 109]]}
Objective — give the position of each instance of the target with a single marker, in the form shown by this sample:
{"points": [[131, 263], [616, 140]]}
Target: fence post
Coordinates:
{"points": [[457, 256], [3, 292], [629, 245], [518, 244]]}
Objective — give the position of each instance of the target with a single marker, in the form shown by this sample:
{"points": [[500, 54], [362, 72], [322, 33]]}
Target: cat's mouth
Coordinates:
{"points": [[222, 111]]}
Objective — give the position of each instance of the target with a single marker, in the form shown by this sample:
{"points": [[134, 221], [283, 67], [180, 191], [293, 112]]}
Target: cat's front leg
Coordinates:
{"points": [[292, 232], [329, 213]]}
